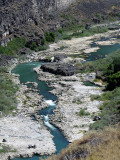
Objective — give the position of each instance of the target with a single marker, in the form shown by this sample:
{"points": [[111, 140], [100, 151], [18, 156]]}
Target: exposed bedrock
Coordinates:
{"points": [[26, 17], [59, 68]]}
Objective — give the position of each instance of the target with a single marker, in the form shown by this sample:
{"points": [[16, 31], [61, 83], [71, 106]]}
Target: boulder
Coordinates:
{"points": [[24, 51], [96, 118], [64, 69], [59, 57], [4, 140], [87, 26], [113, 27]]}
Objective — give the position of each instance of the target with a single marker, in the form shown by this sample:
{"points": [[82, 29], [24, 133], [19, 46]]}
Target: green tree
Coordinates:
{"points": [[50, 37], [33, 46], [113, 81]]}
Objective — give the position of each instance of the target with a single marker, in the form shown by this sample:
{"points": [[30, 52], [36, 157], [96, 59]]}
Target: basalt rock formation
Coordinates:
{"points": [[26, 17], [59, 69], [32, 18]]}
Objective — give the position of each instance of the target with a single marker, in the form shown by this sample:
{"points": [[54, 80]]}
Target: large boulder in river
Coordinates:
{"points": [[59, 68]]}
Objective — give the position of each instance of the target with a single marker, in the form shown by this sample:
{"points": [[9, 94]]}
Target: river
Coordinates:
{"points": [[27, 74]]}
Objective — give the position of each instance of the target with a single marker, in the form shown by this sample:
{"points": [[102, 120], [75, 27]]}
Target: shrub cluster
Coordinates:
{"points": [[7, 92], [110, 109], [13, 46]]}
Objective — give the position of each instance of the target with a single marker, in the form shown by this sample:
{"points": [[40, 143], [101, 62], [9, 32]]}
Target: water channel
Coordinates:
{"points": [[28, 75]]}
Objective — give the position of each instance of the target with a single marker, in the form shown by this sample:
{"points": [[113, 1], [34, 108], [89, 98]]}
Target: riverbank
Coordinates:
{"points": [[77, 48], [23, 136], [73, 96]]}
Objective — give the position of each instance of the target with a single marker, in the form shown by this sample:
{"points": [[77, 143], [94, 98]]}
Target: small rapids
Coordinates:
{"points": [[27, 74]]}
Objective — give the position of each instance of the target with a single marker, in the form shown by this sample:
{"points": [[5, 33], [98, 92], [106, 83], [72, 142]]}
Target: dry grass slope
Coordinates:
{"points": [[102, 145]]}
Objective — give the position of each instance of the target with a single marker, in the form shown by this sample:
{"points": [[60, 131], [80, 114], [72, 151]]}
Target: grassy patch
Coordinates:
{"points": [[110, 109], [7, 93], [13, 46], [81, 32], [5, 149], [77, 101], [83, 112], [95, 97]]}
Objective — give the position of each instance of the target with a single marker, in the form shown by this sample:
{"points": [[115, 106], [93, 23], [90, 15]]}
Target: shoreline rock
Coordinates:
{"points": [[72, 97], [59, 68]]}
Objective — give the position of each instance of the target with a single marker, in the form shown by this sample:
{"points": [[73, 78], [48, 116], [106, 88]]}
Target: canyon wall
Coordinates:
{"points": [[26, 17]]}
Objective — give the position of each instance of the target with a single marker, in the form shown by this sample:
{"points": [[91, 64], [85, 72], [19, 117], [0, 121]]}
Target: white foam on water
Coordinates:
{"points": [[50, 102], [46, 118], [49, 125]]}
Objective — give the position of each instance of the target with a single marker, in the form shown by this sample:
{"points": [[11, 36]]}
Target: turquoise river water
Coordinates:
{"points": [[26, 73]]}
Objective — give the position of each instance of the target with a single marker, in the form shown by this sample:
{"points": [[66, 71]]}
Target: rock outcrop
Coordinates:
{"points": [[59, 57], [24, 18], [59, 68], [27, 17]]}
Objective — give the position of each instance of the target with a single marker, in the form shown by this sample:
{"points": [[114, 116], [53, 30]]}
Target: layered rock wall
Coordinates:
{"points": [[28, 15]]}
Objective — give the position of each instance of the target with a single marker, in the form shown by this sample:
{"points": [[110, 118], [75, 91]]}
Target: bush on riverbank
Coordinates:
{"points": [[13, 46], [107, 69], [80, 32], [110, 109], [7, 93]]}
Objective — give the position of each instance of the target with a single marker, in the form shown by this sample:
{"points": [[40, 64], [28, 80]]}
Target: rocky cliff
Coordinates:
{"points": [[26, 17]]}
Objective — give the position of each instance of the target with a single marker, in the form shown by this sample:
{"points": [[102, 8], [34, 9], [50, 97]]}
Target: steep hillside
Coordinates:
{"points": [[32, 18], [24, 18], [95, 11]]}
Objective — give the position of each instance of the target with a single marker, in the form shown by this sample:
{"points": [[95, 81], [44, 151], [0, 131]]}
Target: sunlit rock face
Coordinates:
{"points": [[22, 17], [25, 17]]}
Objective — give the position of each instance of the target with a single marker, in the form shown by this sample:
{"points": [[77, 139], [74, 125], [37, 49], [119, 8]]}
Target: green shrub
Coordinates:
{"points": [[13, 46], [95, 97], [113, 81], [60, 30], [7, 94], [77, 101], [36, 33], [50, 37], [110, 109], [67, 37], [83, 113], [33, 46], [43, 41], [41, 48]]}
